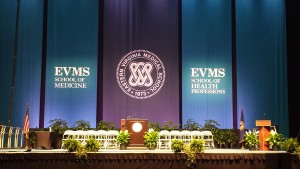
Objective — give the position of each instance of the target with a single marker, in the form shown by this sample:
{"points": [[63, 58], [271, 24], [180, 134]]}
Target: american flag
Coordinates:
{"points": [[242, 127], [26, 121]]}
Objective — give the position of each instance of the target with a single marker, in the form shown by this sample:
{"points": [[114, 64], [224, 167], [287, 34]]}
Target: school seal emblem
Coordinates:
{"points": [[140, 74]]}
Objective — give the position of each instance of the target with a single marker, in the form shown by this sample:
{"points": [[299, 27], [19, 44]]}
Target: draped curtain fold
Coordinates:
{"points": [[262, 62]]}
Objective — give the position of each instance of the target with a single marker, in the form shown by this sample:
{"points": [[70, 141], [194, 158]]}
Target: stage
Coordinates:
{"points": [[147, 159]]}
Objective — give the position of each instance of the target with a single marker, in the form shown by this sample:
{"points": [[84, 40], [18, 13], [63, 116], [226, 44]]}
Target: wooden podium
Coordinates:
{"points": [[264, 127], [137, 129]]}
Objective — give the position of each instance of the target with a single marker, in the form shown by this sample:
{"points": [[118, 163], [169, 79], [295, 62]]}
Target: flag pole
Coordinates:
{"points": [[26, 126], [242, 130], [13, 69], [14, 66]]}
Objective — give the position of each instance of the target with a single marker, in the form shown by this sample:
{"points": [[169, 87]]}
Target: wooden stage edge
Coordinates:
{"points": [[147, 159]]}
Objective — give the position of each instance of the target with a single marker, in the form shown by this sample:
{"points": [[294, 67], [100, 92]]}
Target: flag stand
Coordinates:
{"points": [[242, 143], [26, 140]]}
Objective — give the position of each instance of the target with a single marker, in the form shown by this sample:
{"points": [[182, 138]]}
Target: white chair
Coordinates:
{"points": [[10, 131], [196, 134], [68, 134], [111, 139], [90, 134], [22, 135], [175, 135], [164, 140], [80, 135], [186, 136], [208, 138], [17, 131], [2, 132], [101, 136]]}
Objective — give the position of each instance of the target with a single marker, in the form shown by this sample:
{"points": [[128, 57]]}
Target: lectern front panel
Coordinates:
{"points": [[137, 129]]}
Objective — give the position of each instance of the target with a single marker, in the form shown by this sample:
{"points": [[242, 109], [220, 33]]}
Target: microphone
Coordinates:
{"points": [[130, 117]]}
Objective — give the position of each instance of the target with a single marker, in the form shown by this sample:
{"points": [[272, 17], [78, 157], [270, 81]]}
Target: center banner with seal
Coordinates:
{"points": [[140, 60]]}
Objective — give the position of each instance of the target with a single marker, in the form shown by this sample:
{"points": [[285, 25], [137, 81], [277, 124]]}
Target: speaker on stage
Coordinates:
{"points": [[137, 129]]}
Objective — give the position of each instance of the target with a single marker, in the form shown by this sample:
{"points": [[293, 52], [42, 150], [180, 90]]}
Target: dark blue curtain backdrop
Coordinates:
{"points": [[261, 61], [28, 72], [206, 43], [203, 26], [8, 13], [149, 25], [72, 52], [28, 62]]}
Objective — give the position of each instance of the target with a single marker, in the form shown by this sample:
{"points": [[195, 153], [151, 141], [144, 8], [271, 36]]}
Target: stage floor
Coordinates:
{"points": [[147, 159], [214, 151]]}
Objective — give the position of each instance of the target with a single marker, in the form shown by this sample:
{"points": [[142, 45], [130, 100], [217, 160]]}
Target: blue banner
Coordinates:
{"points": [[206, 62], [72, 52]]}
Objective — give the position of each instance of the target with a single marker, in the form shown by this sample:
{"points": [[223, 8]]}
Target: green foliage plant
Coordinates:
{"points": [[197, 145], [92, 145], [251, 138], [191, 125], [177, 145], [154, 125], [31, 138], [191, 150], [220, 137], [105, 125], [211, 125], [81, 125], [168, 125], [81, 153], [290, 145], [231, 137], [71, 145], [191, 160], [275, 139], [151, 138], [58, 125], [123, 137]]}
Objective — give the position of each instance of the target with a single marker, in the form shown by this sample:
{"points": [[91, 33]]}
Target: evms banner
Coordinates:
{"points": [[206, 62], [71, 73], [140, 60]]}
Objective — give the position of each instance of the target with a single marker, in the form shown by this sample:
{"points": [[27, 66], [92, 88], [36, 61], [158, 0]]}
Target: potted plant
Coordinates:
{"points": [[81, 125], [92, 145], [191, 125], [231, 138], [71, 145], [290, 145], [220, 137], [31, 139], [191, 150], [177, 146], [197, 145], [151, 138], [123, 139], [105, 125], [251, 139], [154, 125], [275, 140], [168, 125], [58, 125]]}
